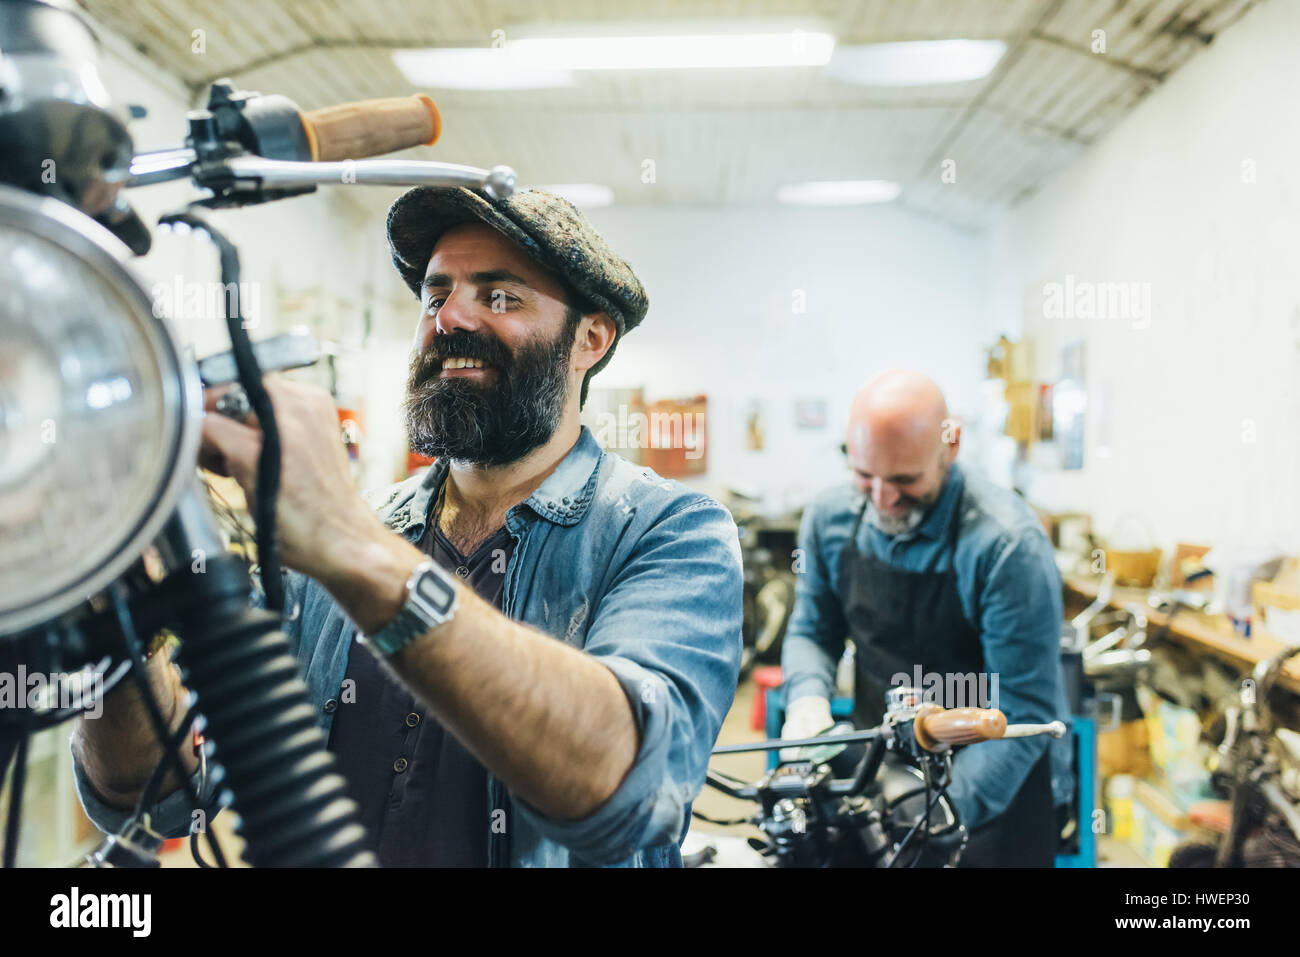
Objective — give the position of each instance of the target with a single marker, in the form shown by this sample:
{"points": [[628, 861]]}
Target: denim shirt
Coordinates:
{"points": [[640, 572], [1010, 591]]}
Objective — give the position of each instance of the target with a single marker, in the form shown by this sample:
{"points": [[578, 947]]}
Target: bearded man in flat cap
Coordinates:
{"points": [[523, 655]]}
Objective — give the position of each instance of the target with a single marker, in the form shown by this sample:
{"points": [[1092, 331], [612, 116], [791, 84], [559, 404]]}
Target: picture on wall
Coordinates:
{"points": [[810, 414]]}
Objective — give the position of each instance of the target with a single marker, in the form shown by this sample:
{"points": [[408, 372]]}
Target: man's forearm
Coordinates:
{"points": [[808, 667], [551, 722], [119, 750]]}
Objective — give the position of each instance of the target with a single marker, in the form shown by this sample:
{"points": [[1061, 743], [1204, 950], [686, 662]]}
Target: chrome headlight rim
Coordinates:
{"points": [[107, 257]]}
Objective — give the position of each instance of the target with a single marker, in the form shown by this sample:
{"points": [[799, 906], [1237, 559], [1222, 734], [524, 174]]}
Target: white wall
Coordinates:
{"points": [[883, 288], [316, 260], [1195, 193]]}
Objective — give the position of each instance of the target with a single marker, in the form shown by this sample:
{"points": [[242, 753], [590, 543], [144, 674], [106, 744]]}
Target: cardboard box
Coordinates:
{"points": [[1277, 603], [1124, 750]]}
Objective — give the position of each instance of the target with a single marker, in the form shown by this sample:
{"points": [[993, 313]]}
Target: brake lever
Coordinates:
{"points": [[498, 182], [294, 349], [733, 786], [253, 172]]}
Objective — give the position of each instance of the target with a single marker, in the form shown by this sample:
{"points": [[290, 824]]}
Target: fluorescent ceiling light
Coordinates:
{"points": [[916, 63], [540, 62], [582, 195], [696, 51], [489, 68], [849, 192]]}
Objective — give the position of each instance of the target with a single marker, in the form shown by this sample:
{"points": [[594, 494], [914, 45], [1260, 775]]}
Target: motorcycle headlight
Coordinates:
{"points": [[99, 411]]}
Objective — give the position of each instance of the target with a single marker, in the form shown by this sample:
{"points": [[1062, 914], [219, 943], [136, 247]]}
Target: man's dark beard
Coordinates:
{"points": [[494, 422]]}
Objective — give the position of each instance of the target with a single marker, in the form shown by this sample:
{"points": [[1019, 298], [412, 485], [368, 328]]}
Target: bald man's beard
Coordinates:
{"points": [[489, 423], [916, 509]]}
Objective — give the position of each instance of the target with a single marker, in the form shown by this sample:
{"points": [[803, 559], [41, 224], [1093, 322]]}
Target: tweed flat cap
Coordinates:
{"points": [[548, 228]]}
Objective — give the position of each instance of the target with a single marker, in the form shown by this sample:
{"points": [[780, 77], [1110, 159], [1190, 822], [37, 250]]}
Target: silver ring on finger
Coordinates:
{"points": [[234, 404]]}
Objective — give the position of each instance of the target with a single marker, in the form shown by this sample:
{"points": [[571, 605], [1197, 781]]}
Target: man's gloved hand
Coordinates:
{"points": [[806, 717]]}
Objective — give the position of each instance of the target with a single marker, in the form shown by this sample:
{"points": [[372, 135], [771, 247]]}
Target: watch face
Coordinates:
{"points": [[433, 590]]}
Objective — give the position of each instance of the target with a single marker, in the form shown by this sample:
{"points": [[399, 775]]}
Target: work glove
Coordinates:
{"points": [[806, 717]]}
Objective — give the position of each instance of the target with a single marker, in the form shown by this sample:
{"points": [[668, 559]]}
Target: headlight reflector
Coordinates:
{"points": [[98, 426]]}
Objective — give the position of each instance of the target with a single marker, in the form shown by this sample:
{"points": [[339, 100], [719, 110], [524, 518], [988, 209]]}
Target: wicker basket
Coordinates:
{"points": [[1136, 569]]}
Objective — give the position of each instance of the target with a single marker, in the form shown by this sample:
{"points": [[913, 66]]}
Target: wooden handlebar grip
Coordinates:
{"points": [[371, 127], [935, 726]]}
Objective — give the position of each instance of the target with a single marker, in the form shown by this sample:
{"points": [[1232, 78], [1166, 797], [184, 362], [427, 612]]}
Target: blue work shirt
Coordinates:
{"points": [[638, 571], [1010, 592]]}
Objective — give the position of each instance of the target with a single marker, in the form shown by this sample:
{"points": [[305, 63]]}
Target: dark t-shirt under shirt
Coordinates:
{"points": [[422, 795]]}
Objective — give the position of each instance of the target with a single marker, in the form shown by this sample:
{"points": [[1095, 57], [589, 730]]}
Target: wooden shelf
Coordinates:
{"points": [[1213, 633]]}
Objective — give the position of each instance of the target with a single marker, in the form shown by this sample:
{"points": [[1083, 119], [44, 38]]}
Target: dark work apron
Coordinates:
{"points": [[900, 619]]}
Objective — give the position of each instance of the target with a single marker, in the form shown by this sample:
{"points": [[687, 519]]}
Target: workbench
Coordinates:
{"points": [[1212, 633]]}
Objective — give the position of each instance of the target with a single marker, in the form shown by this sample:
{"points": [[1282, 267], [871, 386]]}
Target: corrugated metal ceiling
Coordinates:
{"points": [[718, 137]]}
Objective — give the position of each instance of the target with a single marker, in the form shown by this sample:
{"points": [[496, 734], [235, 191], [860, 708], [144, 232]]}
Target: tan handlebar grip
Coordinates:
{"points": [[371, 127], [935, 726]]}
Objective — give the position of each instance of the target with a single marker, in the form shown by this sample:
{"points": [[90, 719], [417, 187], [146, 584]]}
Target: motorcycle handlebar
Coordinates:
{"points": [[371, 127], [937, 725], [933, 727], [286, 149]]}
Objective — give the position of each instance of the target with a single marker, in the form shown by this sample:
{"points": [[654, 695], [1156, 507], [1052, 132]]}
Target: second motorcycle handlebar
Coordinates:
{"points": [[935, 729]]}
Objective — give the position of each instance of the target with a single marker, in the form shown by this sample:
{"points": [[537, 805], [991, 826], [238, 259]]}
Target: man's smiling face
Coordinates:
{"points": [[493, 364], [901, 445], [479, 282]]}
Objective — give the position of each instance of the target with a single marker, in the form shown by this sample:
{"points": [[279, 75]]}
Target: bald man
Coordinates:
{"points": [[944, 581]]}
